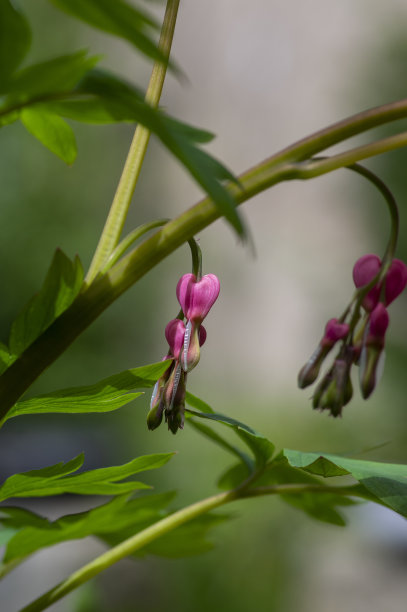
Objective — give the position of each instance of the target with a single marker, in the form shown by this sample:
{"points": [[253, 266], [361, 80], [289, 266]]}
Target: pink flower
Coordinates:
{"points": [[364, 271], [174, 333], [334, 331], [197, 297]]}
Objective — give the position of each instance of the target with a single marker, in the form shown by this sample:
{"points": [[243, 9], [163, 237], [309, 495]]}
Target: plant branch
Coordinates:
{"points": [[127, 271], [164, 526], [131, 171]]}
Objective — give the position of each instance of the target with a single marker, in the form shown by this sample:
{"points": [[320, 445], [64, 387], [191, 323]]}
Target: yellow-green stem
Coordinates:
{"points": [[118, 212]]}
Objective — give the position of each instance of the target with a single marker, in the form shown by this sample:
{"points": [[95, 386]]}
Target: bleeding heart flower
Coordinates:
{"points": [[197, 297]]}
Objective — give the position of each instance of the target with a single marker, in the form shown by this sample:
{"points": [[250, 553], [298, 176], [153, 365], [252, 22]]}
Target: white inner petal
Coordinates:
{"points": [[187, 342]]}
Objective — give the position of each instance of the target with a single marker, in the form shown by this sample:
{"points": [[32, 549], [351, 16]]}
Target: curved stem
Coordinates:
{"points": [[107, 288], [131, 171], [166, 525], [130, 239]]}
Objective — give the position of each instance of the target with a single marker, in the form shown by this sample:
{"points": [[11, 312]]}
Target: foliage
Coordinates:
{"points": [[45, 97]]}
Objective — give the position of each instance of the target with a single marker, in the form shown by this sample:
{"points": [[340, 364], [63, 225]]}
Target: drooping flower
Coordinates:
{"points": [[196, 298], [364, 271], [372, 355], [334, 331]]}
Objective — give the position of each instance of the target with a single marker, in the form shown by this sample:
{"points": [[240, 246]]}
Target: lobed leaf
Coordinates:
{"points": [[114, 516], [15, 40], [104, 396], [51, 130], [386, 481], [62, 284], [102, 481]]}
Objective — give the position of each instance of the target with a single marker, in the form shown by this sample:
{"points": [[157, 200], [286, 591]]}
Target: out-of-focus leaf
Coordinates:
{"points": [[15, 40], [61, 286], [189, 539], [320, 506], [118, 18], [215, 437], [116, 515], [386, 481], [56, 76], [103, 481], [52, 131], [104, 396], [234, 476], [198, 403], [261, 448]]}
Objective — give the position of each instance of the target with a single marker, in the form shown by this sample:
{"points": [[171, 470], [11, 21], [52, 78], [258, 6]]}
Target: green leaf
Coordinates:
{"points": [[116, 515], [196, 402], [215, 437], [15, 40], [118, 18], [103, 481], [123, 100], [61, 286], [6, 358], [386, 481], [56, 76], [189, 539], [234, 476], [52, 131], [320, 506], [261, 448], [104, 396]]}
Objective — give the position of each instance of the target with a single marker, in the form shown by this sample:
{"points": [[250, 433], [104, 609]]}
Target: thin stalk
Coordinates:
{"points": [[130, 268], [163, 527], [118, 212]]}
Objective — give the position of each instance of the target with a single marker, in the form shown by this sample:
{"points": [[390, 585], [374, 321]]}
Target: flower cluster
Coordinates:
{"points": [[196, 298], [361, 339]]}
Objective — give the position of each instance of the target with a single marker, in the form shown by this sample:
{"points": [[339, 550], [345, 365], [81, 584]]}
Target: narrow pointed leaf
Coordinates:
{"points": [[261, 448], [15, 40], [52, 131], [103, 481], [61, 286], [104, 396]]}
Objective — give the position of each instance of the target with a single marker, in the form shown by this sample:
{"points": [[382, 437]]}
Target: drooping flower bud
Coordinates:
{"points": [[157, 406], [174, 333], [174, 398], [334, 331], [396, 280], [195, 336], [364, 271], [335, 390], [197, 297], [371, 363]]}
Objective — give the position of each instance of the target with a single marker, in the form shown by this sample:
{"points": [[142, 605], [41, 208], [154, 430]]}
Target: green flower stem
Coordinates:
{"points": [[130, 239], [107, 288], [131, 171], [145, 537]]}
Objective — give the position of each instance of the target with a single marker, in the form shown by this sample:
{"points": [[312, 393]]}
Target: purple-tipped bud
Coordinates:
{"points": [[396, 280], [377, 326], [174, 333], [195, 337], [197, 297], [364, 271], [335, 390], [334, 331], [372, 356]]}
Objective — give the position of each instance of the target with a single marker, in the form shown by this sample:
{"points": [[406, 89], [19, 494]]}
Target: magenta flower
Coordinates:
{"points": [[364, 271], [174, 333], [197, 297]]}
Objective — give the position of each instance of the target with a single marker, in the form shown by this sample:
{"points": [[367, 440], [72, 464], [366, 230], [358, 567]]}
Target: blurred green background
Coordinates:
{"points": [[260, 75]]}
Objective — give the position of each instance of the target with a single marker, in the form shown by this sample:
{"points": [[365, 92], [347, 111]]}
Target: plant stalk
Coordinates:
{"points": [[120, 206]]}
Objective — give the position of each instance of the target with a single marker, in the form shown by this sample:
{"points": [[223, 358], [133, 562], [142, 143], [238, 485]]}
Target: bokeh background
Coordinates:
{"points": [[260, 75]]}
